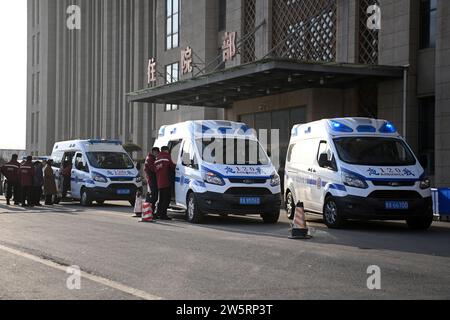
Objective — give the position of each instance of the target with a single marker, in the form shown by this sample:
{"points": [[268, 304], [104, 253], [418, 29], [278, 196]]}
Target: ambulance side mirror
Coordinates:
{"points": [[323, 161]]}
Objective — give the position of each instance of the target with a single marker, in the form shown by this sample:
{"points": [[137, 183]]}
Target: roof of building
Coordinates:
{"points": [[261, 78]]}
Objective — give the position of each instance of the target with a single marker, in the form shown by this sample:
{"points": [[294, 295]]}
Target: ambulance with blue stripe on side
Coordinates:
{"points": [[101, 171], [221, 168], [356, 168]]}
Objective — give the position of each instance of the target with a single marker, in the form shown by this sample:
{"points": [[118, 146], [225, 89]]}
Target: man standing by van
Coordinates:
{"points": [[11, 172], [164, 167], [150, 173], [26, 175]]}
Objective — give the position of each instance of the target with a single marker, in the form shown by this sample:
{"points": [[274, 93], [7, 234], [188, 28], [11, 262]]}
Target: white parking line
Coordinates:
{"points": [[100, 280]]}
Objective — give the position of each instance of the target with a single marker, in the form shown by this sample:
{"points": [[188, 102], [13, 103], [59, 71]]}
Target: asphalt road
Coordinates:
{"points": [[225, 258]]}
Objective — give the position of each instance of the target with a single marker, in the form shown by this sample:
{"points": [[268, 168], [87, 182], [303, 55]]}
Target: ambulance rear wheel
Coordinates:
{"points": [[331, 215], [290, 206], [193, 213], [422, 223], [86, 200], [271, 218]]}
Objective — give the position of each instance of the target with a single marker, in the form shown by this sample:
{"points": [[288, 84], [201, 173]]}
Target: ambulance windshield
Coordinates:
{"points": [[110, 160], [374, 151], [232, 151]]}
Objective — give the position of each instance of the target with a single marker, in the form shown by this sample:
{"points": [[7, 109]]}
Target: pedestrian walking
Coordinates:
{"points": [[38, 183], [50, 190], [150, 172], [164, 168], [26, 177], [11, 172]]}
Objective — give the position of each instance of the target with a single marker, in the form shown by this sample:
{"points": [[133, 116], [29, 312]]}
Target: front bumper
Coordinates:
{"points": [[219, 203], [352, 207], [112, 192]]}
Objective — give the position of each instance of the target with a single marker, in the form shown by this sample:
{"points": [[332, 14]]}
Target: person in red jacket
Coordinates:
{"points": [[26, 176], [11, 172], [150, 173], [164, 168]]}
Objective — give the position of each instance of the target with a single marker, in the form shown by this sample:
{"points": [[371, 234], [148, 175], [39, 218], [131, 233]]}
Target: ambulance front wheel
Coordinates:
{"points": [[421, 223], [290, 206], [331, 215], [193, 213], [271, 218], [86, 200]]}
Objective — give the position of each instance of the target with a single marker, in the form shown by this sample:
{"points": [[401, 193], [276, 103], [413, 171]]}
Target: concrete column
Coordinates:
{"points": [[263, 36], [347, 31], [443, 95]]}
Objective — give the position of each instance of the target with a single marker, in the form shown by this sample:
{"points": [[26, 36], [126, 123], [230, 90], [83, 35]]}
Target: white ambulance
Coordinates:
{"points": [[356, 168], [101, 170], [221, 168]]}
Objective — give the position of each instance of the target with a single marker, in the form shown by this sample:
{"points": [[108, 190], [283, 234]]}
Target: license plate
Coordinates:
{"points": [[397, 205], [250, 201], [123, 192]]}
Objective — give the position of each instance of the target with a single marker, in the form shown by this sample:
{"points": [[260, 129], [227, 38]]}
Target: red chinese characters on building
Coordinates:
{"points": [[229, 46], [151, 73], [186, 61]]}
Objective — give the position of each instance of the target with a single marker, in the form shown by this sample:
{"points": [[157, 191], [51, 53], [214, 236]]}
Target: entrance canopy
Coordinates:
{"points": [[262, 78]]}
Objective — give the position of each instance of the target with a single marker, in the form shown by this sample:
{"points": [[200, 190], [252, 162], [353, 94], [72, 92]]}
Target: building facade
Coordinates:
{"points": [[78, 77], [294, 62]]}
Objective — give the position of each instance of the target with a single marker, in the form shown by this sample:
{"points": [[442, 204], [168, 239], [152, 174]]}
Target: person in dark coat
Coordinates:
{"points": [[50, 190], [150, 173], [165, 169], [11, 172], [38, 183], [26, 177], [67, 177]]}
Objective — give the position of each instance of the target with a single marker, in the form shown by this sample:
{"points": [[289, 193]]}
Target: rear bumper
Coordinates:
{"points": [[353, 207], [219, 203]]}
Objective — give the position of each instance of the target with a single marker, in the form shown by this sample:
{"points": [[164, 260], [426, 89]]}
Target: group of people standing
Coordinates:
{"points": [[160, 173], [28, 181]]}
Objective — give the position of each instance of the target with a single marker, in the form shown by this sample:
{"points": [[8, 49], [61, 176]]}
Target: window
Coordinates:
{"points": [[427, 133], [33, 85], [80, 163], [428, 23], [38, 45], [222, 15], [172, 75], [37, 127], [33, 53], [32, 128], [38, 89], [368, 151], [188, 156], [110, 160], [172, 24]]}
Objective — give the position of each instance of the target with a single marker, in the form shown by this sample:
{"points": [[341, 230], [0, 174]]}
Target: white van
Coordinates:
{"points": [[356, 168], [221, 169], [101, 171]]}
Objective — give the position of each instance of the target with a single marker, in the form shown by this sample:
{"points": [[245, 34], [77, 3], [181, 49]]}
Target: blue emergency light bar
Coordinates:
{"points": [[103, 141], [388, 127], [340, 127]]}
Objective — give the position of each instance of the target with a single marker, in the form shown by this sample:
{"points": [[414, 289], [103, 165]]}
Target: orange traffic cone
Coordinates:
{"points": [[147, 213], [300, 226]]}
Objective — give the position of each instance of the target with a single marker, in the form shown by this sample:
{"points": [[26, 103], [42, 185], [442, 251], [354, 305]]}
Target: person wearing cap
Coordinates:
{"points": [[26, 177], [50, 190], [11, 172]]}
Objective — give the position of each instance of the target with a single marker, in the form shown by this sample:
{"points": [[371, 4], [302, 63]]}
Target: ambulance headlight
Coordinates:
{"points": [[212, 178], [99, 178], [354, 181], [425, 184], [275, 180]]}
